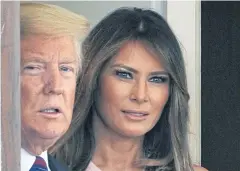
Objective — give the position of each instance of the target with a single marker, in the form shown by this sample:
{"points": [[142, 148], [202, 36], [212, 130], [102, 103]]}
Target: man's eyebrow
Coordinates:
{"points": [[68, 62], [34, 59]]}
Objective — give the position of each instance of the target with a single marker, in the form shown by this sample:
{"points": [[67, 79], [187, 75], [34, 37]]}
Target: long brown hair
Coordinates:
{"points": [[167, 141]]}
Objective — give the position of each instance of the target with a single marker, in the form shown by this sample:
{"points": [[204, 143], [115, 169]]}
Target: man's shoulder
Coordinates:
{"points": [[55, 165]]}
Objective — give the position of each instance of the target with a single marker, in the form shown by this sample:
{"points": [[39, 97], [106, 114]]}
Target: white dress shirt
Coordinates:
{"points": [[27, 160]]}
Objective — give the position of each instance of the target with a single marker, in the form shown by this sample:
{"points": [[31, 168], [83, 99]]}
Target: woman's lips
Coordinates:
{"points": [[135, 114]]}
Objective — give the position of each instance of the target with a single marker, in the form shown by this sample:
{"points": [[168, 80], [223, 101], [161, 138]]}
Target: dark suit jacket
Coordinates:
{"points": [[55, 165]]}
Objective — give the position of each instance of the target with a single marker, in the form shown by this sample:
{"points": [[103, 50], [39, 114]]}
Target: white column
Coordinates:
{"points": [[10, 86], [159, 6], [2, 26], [184, 18]]}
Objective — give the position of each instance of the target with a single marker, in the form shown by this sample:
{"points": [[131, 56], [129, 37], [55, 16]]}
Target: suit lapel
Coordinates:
{"points": [[52, 164], [55, 165]]}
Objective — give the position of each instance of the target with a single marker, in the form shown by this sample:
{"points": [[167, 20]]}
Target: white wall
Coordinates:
{"points": [[185, 18], [96, 10], [1, 96]]}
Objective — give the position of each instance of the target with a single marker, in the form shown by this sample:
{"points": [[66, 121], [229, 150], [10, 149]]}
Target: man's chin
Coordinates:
{"points": [[46, 138], [50, 138]]}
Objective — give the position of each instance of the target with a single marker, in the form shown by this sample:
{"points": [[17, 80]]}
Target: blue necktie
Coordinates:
{"points": [[39, 165]]}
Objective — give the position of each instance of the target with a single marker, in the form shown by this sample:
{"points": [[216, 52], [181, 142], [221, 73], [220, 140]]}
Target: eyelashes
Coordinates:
{"points": [[123, 74], [158, 79]]}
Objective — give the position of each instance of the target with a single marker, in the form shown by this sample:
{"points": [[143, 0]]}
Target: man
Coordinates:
{"points": [[50, 62]]}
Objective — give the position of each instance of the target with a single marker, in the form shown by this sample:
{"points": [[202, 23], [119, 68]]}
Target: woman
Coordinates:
{"points": [[132, 97]]}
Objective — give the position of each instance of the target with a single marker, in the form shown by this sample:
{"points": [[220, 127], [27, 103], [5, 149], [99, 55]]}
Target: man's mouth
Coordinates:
{"points": [[51, 112]]}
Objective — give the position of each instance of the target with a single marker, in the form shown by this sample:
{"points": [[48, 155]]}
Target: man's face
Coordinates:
{"points": [[48, 82]]}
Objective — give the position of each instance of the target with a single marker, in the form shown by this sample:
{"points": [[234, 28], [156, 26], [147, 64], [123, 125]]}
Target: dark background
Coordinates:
{"points": [[220, 98]]}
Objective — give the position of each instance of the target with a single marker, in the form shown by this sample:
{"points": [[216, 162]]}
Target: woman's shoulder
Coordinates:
{"points": [[92, 167], [199, 168]]}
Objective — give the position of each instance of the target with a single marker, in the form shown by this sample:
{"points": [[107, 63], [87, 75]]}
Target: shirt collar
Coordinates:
{"points": [[27, 160]]}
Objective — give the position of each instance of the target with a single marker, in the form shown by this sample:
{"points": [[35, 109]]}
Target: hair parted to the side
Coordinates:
{"points": [[52, 21], [167, 142]]}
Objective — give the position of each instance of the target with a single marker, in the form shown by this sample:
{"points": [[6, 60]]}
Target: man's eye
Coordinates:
{"points": [[33, 69], [159, 79], [66, 69], [123, 74]]}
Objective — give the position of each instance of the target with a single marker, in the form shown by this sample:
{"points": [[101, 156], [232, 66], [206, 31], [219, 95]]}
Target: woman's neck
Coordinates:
{"points": [[113, 150]]}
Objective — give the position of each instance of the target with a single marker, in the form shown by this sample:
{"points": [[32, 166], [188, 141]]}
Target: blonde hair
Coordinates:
{"points": [[52, 21], [39, 18]]}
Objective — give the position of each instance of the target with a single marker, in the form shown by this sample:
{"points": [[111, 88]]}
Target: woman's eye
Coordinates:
{"points": [[124, 74], [159, 79]]}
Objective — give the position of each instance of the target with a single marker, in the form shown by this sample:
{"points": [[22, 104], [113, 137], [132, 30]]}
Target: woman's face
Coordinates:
{"points": [[133, 91]]}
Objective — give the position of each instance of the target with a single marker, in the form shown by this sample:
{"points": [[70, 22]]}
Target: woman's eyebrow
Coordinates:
{"points": [[125, 67], [160, 73]]}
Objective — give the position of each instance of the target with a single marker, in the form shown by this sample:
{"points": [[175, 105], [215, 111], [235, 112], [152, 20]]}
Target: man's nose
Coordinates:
{"points": [[53, 82], [140, 92]]}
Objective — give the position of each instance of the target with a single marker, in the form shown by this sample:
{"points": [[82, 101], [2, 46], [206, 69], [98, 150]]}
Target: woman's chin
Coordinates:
{"points": [[133, 133]]}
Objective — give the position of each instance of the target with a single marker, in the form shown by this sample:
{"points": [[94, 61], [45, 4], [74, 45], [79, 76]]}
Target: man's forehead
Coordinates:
{"points": [[31, 40], [39, 46], [46, 37], [47, 59]]}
